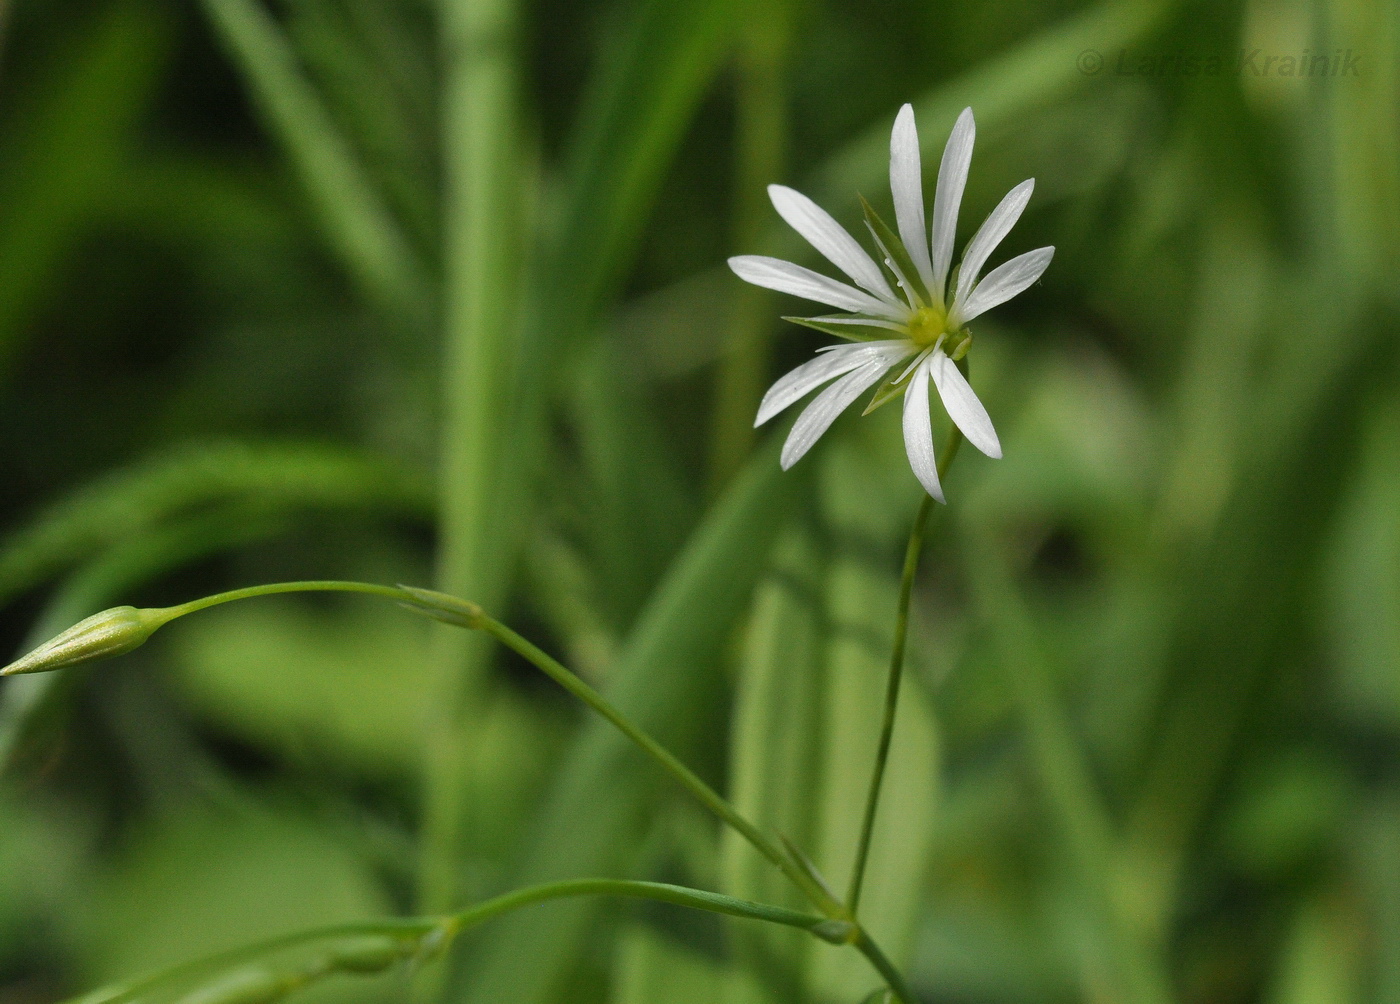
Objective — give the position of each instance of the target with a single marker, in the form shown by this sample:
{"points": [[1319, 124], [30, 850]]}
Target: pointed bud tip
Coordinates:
{"points": [[112, 632]]}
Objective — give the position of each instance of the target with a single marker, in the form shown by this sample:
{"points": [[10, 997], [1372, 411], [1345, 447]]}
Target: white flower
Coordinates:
{"points": [[919, 332]]}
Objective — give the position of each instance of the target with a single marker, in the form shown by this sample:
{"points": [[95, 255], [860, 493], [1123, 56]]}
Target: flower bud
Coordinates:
{"points": [[111, 632]]}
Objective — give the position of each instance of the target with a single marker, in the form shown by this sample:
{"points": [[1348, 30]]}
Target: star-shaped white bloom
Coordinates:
{"points": [[919, 332]]}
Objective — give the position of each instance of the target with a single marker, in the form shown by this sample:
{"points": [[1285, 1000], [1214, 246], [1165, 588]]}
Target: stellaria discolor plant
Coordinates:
{"points": [[908, 339]]}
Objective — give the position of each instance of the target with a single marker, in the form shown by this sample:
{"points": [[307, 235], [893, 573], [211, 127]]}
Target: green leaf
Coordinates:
{"points": [[894, 247], [891, 387], [835, 325]]}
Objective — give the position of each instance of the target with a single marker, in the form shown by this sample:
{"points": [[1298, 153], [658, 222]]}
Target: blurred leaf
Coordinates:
{"points": [[349, 685], [200, 882], [636, 511], [638, 104], [1032, 74], [1321, 958], [860, 608], [651, 967], [89, 100], [775, 750], [1363, 579], [143, 495], [1286, 813], [665, 681], [360, 228]]}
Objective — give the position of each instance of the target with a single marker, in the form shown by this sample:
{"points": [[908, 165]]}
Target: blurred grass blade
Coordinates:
{"points": [[1117, 952], [361, 229], [141, 496], [635, 112], [1032, 74], [860, 605], [761, 140], [1321, 960], [651, 967], [636, 509], [775, 750], [666, 680], [70, 138], [483, 244]]}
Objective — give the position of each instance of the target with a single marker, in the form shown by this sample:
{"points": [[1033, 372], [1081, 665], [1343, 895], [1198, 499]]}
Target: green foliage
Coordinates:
{"points": [[432, 291]]}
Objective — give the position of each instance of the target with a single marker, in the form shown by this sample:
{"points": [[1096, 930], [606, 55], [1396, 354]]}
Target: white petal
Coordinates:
{"points": [[918, 433], [785, 277], [907, 187], [997, 225], [831, 239], [952, 178], [819, 415], [1005, 281], [798, 383], [962, 405]]}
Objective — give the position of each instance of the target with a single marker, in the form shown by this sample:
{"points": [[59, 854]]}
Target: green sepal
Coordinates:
{"points": [[850, 332], [896, 250], [890, 388], [880, 996]]}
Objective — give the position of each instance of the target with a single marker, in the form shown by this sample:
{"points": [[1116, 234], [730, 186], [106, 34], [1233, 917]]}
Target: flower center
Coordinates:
{"points": [[927, 324]]}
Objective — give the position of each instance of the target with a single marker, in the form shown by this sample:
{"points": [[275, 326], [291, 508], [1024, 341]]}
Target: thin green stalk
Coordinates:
{"points": [[432, 934], [482, 248], [892, 976], [761, 134], [901, 631], [274, 588]]}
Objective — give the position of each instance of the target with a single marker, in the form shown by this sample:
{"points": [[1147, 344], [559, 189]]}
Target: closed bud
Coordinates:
{"points": [[111, 632]]}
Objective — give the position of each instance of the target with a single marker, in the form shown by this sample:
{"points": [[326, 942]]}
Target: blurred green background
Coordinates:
{"points": [[433, 292]]}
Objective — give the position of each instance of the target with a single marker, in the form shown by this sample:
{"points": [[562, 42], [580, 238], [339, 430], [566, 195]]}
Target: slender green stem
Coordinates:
{"points": [[901, 631], [442, 929], [892, 976], [273, 588], [706, 795]]}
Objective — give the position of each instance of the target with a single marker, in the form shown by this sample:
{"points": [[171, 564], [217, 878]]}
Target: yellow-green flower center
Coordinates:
{"points": [[927, 324]]}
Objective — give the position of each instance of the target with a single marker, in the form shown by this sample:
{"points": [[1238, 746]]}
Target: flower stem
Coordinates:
{"points": [[428, 935], [877, 958], [901, 631]]}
